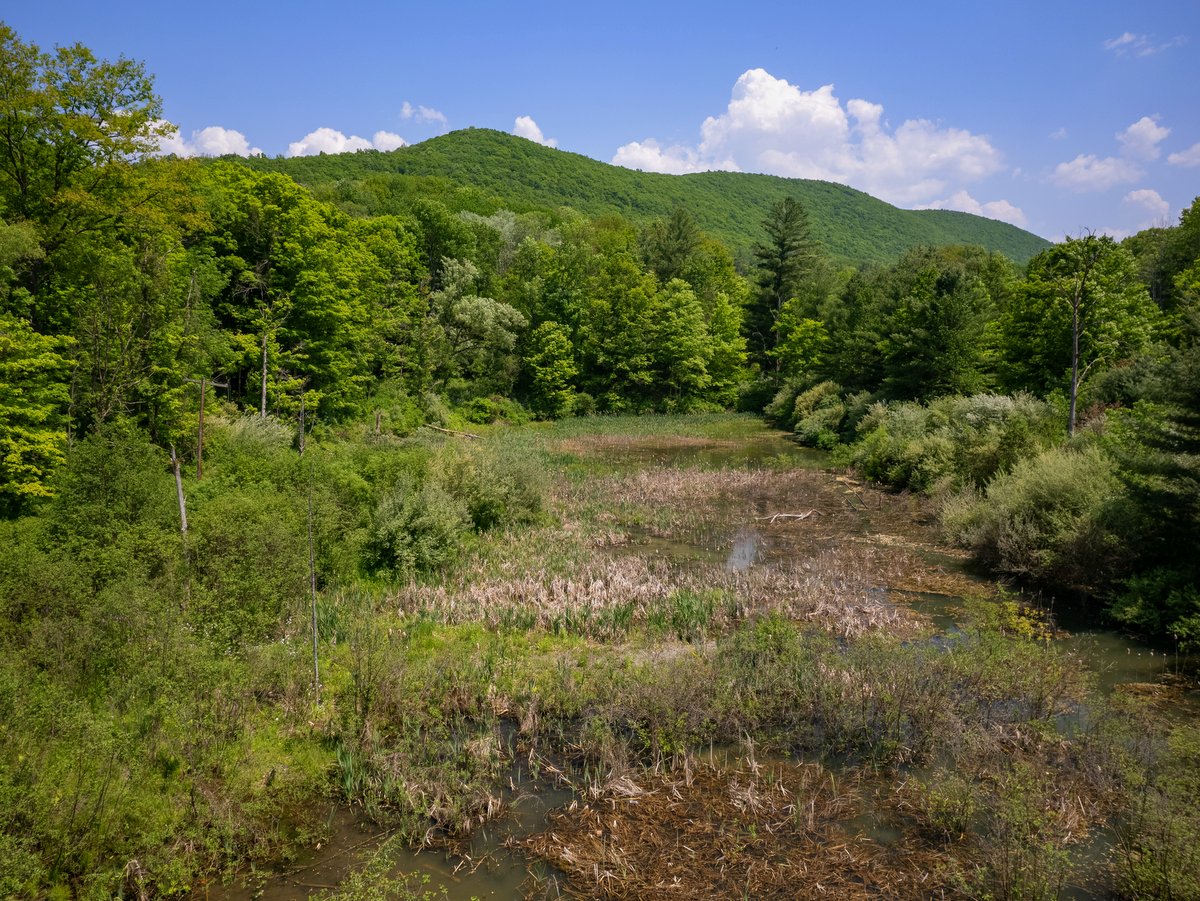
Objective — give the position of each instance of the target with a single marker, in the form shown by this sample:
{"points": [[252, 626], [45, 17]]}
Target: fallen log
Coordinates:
{"points": [[452, 432], [796, 516]]}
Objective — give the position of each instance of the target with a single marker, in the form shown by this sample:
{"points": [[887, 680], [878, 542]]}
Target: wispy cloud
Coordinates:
{"points": [[993, 209], [1150, 201], [1089, 172], [1141, 45], [423, 114], [1189, 157]]}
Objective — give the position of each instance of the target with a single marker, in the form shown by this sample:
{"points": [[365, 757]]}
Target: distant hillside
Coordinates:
{"points": [[522, 175]]}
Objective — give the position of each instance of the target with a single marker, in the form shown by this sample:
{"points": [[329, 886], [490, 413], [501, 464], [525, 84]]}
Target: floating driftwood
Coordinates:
{"points": [[796, 516]]}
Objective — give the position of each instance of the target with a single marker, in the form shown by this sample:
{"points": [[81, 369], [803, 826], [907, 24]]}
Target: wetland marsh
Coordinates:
{"points": [[716, 668]]}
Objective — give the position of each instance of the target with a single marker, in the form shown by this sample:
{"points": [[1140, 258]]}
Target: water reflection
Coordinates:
{"points": [[744, 552]]}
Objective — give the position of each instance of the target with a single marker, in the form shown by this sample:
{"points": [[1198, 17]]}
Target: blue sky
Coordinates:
{"points": [[1058, 116]]}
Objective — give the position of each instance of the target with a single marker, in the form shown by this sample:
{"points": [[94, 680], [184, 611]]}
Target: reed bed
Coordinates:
{"points": [[610, 594], [718, 832]]}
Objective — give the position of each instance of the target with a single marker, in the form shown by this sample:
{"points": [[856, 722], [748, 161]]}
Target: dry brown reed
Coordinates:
{"points": [[835, 590], [751, 831]]}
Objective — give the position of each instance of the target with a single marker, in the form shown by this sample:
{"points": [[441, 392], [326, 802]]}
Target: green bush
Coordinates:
{"points": [[498, 488], [817, 415], [952, 440], [249, 551], [754, 395], [415, 528], [1047, 518], [485, 410], [1159, 848], [781, 410], [1162, 602]]}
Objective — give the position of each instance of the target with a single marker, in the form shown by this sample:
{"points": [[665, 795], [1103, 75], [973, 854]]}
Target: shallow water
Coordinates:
{"points": [[487, 869]]}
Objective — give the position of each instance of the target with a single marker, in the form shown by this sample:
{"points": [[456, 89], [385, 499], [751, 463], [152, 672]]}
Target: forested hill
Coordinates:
{"points": [[505, 170]]}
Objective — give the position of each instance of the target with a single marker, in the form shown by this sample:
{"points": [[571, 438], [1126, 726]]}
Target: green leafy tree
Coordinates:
{"points": [[616, 329], [33, 399], [550, 362], [784, 260], [934, 344], [801, 342], [727, 350], [669, 244], [1080, 308], [1159, 447], [71, 127], [480, 334], [856, 321], [681, 345]]}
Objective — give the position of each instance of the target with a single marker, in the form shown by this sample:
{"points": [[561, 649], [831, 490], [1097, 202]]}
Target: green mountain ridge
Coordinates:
{"points": [[517, 173]]}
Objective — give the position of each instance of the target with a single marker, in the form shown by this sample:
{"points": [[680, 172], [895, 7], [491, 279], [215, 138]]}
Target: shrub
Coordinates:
{"points": [[415, 528], [952, 440], [1046, 518], [484, 410], [781, 410], [250, 558], [754, 395], [498, 489], [1162, 602], [817, 415]]}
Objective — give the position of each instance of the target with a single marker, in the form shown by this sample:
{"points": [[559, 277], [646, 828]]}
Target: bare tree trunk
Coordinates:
{"points": [[200, 435], [183, 527], [301, 422], [1074, 359], [312, 581], [263, 409]]}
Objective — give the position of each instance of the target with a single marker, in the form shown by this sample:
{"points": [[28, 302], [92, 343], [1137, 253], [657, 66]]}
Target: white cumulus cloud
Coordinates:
{"points": [[1151, 201], [650, 156], [422, 114], [1087, 172], [387, 140], [993, 209], [1189, 157], [525, 127], [776, 127], [1141, 139], [330, 140], [211, 141]]}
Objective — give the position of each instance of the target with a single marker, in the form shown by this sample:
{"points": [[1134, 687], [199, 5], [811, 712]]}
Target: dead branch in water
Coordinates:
{"points": [[796, 516], [452, 432]]}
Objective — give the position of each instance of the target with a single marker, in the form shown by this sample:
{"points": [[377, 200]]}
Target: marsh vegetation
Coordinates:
{"points": [[709, 719]]}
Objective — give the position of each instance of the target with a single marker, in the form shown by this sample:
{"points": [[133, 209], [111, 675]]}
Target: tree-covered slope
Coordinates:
{"points": [[851, 225]]}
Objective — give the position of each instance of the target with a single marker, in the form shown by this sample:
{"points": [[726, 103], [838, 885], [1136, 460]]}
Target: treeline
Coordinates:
{"points": [[1054, 409], [489, 170], [135, 288]]}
